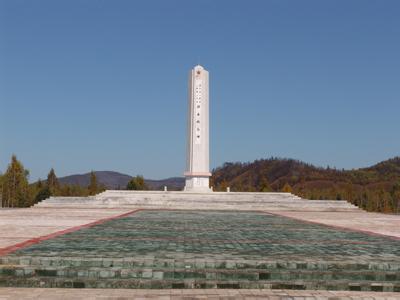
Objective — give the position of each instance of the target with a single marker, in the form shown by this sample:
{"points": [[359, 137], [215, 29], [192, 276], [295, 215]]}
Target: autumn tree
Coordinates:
{"points": [[249, 183], [395, 194], [287, 188], [264, 185], [15, 187], [1, 190], [223, 185]]}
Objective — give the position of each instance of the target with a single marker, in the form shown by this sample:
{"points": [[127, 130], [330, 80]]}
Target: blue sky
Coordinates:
{"points": [[102, 85]]}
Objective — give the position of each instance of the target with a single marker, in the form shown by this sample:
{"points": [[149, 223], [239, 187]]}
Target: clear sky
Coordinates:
{"points": [[102, 85]]}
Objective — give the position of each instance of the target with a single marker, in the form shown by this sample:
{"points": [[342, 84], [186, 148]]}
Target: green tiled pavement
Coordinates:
{"points": [[206, 249]]}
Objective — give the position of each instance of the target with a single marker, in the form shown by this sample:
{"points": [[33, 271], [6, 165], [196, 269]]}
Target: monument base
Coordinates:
{"points": [[197, 184]]}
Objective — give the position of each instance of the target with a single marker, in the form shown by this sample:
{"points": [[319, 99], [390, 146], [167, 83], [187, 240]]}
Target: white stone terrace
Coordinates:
{"points": [[210, 201]]}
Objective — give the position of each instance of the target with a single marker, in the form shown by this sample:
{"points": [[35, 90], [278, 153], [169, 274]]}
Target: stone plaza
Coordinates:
{"points": [[266, 243]]}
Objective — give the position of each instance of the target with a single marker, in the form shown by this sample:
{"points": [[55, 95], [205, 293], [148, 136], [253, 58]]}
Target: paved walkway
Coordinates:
{"points": [[359, 220], [20, 225], [120, 294]]}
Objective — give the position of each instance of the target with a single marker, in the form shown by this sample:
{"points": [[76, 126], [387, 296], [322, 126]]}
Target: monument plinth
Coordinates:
{"points": [[197, 164]]}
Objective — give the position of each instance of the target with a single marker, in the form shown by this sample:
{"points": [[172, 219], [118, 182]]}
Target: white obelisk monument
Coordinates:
{"points": [[197, 164]]}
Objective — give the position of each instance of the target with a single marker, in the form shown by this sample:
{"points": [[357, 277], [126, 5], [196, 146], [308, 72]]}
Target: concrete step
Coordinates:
{"points": [[193, 264], [65, 282], [207, 207], [225, 208], [190, 203], [204, 200], [209, 274]]}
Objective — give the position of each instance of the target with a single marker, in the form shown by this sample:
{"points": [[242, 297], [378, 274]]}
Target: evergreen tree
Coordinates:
{"points": [[42, 194], [39, 184], [15, 191], [93, 186], [52, 182], [137, 183]]}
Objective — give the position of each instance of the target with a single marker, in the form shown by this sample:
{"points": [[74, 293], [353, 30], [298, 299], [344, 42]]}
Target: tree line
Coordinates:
{"points": [[15, 190], [376, 188]]}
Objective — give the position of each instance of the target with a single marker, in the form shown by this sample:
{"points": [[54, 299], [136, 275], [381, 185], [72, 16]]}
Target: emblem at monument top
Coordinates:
{"points": [[197, 164]]}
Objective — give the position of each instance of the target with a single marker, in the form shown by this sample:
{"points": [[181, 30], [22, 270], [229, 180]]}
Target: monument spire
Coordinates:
{"points": [[197, 164]]}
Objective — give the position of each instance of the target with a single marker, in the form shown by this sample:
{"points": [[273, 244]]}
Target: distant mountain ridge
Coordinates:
{"points": [[116, 180]]}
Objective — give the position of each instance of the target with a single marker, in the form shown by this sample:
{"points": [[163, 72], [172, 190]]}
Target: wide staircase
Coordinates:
{"points": [[201, 201], [146, 273]]}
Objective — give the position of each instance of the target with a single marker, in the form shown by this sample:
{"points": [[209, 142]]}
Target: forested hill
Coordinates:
{"points": [[376, 188]]}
